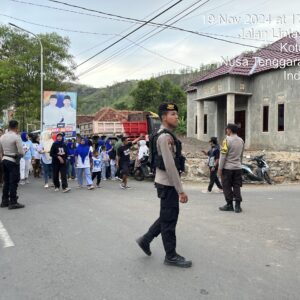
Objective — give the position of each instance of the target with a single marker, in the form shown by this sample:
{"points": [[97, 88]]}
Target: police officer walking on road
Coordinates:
{"points": [[165, 152], [11, 151], [230, 168]]}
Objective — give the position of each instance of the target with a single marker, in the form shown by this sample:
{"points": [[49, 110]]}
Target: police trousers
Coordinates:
{"points": [[11, 176], [167, 221], [232, 183]]}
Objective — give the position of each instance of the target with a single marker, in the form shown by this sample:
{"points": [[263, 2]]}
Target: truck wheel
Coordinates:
{"points": [[138, 175]]}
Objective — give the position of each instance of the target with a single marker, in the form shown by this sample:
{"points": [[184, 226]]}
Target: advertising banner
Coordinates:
{"points": [[59, 114]]}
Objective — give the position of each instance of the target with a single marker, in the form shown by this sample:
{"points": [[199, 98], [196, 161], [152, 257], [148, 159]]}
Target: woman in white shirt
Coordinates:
{"points": [[44, 150]]}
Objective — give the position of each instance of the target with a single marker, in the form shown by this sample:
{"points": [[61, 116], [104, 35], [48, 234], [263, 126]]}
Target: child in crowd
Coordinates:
{"points": [[83, 155], [104, 161], [97, 167]]}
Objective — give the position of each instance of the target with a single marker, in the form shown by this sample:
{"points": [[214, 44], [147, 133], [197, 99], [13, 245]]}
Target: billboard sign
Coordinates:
{"points": [[59, 113]]}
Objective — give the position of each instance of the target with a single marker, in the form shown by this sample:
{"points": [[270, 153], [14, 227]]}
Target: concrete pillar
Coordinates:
{"points": [[230, 108], [200, 118]]}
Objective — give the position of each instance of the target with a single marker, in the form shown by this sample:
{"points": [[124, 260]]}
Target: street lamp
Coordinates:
{"points": [[42, 67]]}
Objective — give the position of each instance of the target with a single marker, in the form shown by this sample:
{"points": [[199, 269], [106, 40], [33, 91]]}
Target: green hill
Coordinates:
{"points": [[118, 95]]}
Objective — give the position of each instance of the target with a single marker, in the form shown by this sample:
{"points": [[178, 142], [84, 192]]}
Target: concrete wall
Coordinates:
{"points": [[210, 108], [191, 114], [272, 88]]}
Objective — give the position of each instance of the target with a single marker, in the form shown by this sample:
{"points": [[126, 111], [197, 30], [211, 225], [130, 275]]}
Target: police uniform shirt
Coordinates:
{"points": [[231, 153], [166, 147], [11, 144]]}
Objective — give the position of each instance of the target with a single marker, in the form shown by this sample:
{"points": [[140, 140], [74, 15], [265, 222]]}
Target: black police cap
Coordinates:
{"points": [[167, 107], [67, 97], [53, 96]]}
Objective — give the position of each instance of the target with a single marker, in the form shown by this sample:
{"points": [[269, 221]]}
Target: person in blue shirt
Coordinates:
{"points": [[213, 164], [101, 142], [96, 167], [71, 147], [25, 163], [83, 156]]}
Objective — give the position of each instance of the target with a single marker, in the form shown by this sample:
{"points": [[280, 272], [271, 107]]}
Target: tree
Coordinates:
{"points": [[20, 70], [150, 93], [146, 95]]}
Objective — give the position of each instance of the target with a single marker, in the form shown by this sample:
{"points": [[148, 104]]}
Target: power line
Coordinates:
{"points": [[203, 35], [140, 21], [98, 11], [158, 54], [56, 28], [115, 34], [216, 7], [172, 27], [119, 52], [131, 32], [120, 34], [128, 47], [263, 3], [117, 17], [96, 33], [75, 12], [173, 46]]}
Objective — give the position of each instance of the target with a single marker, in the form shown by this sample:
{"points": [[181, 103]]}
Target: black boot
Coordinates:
{"points": [[227, 207], [177, 261], [16, 204], [238, 208], [4, 203], [144, 245]]}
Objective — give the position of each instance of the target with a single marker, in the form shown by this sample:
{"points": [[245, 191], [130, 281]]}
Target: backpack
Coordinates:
{"points": [[156, 160]]}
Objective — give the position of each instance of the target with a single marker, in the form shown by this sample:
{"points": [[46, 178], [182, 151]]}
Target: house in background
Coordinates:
{"points": [[259, 91]]}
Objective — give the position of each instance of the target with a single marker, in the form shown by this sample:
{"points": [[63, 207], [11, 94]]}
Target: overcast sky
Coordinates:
{"points": [[181, 48]]}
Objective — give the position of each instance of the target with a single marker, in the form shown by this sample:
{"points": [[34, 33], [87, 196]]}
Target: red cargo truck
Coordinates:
{"points": [[144, 124]]}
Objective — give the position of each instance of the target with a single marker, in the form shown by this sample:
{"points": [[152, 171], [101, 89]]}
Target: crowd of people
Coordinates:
{"points": [[87, 160]]}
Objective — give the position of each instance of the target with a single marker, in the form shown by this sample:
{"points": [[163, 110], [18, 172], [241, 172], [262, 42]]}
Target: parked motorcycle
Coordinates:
{"points": [[143, 171], [260, 173]]}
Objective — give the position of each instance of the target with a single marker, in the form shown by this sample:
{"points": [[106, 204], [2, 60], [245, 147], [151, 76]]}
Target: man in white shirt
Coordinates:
{"points": [[52, 114], [68, 112]]}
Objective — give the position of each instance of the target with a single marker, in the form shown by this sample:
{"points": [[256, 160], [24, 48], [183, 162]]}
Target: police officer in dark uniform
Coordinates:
{"points": [[168, 163], [230, 168], [11, 151]]}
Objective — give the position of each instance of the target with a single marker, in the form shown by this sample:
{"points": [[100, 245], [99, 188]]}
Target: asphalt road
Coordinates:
{"points": [[81, 245]]}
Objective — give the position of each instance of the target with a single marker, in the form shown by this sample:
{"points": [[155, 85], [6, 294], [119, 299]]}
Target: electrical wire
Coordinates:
{"points": [[56, 28], [130, 33], [121, 33], [149, 23], [128, 47], [74, 12]]}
